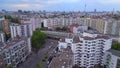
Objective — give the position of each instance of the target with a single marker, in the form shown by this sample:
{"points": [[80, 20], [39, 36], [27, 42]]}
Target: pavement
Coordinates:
{"points": [[35, 58]]}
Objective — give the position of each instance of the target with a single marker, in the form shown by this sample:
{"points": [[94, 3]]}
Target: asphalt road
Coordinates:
{"points": [[35, 58]]}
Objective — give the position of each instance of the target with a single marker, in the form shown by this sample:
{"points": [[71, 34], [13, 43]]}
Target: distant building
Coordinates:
{"points": [[89, 47], [76, 28], [63, 60], [15, 50], [112, 59], [35, 21]]}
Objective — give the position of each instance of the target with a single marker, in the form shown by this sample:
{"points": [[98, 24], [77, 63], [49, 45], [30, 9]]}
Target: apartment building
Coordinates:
{"points": [[34, 20], [112, 26], [105, 26], [112, 59], [15, 51], [2, 37], [89, 47], [21, 30]]}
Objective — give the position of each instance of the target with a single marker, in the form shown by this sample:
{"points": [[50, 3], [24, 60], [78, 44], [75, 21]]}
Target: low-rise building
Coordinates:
{"points": [[63, 60]]}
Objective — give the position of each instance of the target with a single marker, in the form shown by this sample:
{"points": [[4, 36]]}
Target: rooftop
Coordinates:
{"points": [[63, 60], [14, 41], [114, 52]]}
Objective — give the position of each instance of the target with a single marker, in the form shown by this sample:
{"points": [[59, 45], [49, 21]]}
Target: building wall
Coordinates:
{"points": [[111, 60], [2, 37], [21, 30], [15, 52]]}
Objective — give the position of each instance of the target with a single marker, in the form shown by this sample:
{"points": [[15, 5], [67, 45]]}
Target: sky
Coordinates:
{"points": [[60, 5]]}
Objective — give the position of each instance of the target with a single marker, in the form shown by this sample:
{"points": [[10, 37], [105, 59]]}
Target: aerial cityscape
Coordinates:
{"points": [[59, 34]]}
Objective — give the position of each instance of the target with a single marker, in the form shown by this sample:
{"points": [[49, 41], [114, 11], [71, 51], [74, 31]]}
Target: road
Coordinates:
{"points": [[35, 58]]}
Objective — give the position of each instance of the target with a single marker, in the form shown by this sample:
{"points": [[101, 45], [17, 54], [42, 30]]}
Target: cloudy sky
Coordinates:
{"points": [[60, 5]]}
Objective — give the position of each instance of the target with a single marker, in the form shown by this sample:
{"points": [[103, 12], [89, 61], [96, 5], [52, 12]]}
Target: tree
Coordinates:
{"points": [[58, 28], [8, 36], [38, 39], [43, 28], [90, 28], [14, 20], [75, 66], [8, 17], [9, 66], [64, 28], [39, 66], [116, 46]]}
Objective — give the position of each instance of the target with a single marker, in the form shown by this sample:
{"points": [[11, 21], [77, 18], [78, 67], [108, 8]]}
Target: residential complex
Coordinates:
{"points": [[88, 47], [105, 26], [86, 42]]}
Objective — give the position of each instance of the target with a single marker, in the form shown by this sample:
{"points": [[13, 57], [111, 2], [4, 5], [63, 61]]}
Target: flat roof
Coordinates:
{"points": [[114, 52]]}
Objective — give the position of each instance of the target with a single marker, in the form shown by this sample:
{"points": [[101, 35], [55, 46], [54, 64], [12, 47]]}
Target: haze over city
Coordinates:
{"points": [[59, 33], [60, 5]]}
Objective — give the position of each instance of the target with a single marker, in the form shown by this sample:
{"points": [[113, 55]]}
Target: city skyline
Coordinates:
{"points": [[61, 5]]}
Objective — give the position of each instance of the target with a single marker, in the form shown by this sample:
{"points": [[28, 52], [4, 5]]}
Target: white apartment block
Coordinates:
{"points": [[2, 37], [112, 59], [21, 30], [89, 47], [15, 30], [15, 51]]}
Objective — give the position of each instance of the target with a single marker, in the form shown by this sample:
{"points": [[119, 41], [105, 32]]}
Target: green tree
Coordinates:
{"points": [[116, 45], [8, 36], [43, 28], [9, 66], [38, 39], [8, 17], [75, 66], [58, 28], [64, 28], [14, 20], [39, 66]]}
